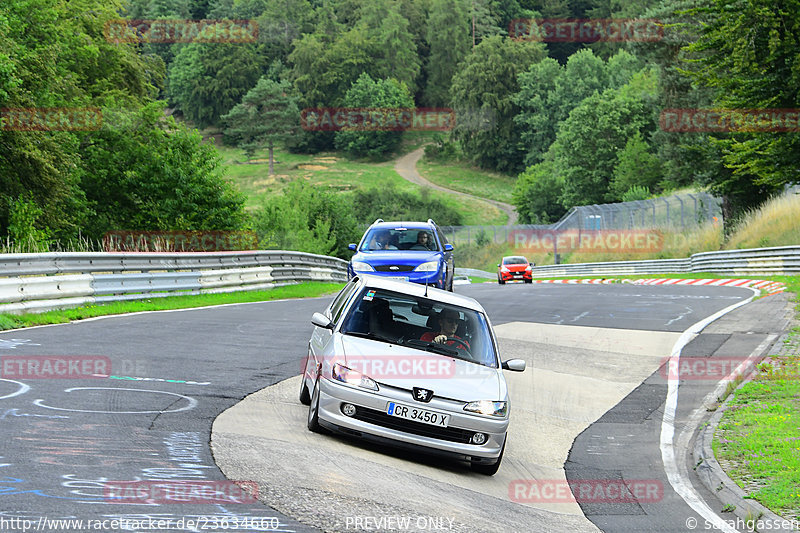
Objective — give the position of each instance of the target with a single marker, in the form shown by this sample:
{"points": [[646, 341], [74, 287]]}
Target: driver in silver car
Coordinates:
{"points": [[448, 324]]}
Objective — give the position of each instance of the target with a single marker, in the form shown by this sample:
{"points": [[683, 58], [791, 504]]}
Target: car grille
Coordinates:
{"points": [[409, 426], [394, 268]]}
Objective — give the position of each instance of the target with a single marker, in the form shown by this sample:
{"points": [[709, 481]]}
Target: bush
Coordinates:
{"points": [[390, 204]]}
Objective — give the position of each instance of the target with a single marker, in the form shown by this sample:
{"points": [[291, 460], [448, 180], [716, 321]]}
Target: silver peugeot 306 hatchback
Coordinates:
{"points": [[411, 366]]}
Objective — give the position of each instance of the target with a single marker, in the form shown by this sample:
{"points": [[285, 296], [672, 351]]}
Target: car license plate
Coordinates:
{"points": [[398, 278], [417, 415]]}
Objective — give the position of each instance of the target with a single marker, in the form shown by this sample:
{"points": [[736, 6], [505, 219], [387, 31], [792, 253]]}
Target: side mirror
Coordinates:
{"points": [[448, 247], [515, 365], [352, 247], [498, 264], [318, 319]]}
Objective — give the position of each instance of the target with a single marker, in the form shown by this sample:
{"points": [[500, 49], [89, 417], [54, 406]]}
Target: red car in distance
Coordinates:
{"points": [[514, 267]]}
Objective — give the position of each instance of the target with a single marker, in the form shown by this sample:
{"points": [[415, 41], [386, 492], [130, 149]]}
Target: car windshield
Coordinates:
{"points": [[515, 261], [422, 324], [399, 239]]}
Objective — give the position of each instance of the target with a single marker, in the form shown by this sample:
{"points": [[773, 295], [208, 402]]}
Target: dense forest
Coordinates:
{"points": [[575, 122]]}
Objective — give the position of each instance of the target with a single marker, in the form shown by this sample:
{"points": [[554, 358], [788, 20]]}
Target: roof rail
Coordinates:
{"points": [[378, 220]]}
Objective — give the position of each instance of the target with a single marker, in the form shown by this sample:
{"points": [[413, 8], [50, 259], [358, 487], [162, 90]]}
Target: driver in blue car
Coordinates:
{"points": [[448, 324]]}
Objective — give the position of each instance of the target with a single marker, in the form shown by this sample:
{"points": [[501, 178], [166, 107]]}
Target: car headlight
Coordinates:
{"points": [[503, 268], [528, 268], [360, 265], [351, 377], [488, 407], [430, 266]]}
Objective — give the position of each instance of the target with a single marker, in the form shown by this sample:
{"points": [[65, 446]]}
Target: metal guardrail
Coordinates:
{"points": [[776, 261], [56, 280]]}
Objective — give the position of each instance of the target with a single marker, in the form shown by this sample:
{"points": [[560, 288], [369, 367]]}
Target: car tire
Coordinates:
{"points": [[489, 470], [528, 281], [305, 397], [313, 410], [500, 281]]}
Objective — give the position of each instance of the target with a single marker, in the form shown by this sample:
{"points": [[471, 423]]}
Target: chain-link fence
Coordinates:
{"points": [[677, 212]]}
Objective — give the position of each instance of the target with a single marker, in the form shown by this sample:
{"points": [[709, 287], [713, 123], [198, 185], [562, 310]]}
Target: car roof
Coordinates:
{"points": [[514, 257], [418, 289], [402, 224]]}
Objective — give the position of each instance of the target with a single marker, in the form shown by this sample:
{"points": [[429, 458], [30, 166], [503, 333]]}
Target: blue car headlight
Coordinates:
{"points": [[430, 266]]}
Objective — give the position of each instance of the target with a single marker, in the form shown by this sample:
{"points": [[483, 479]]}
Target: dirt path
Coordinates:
{"points": [[406, 166]]}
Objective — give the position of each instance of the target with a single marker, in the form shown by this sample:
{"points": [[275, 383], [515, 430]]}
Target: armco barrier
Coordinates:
{"points": [[40, 282], [777, 261]]}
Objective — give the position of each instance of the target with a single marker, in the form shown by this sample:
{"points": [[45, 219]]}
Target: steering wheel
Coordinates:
{"points": [[419, 247], [458, 342]]}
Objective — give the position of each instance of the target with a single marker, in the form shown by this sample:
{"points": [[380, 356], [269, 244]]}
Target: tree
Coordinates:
{"points": [[268, 114], [149, 173], [486, 83], [207, 80], [449, 39], [538, 118], [537, 194], [750, 56], [392, 42], [587, 143], [636, 167], [369, 93]]}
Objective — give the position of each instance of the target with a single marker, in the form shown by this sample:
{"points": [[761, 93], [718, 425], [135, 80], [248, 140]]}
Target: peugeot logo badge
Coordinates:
{"points": [[422, 395]]}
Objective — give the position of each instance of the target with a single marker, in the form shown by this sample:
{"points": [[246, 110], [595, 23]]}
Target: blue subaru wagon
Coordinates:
{"points": [[407, 251]]}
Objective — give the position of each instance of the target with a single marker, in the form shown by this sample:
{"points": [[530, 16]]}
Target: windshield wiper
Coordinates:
{"points": [[371, 336], [433, 347]]}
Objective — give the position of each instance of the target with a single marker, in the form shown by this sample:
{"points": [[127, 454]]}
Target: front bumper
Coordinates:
{"points": [[511, 276], [333, 394], [434, 279]]}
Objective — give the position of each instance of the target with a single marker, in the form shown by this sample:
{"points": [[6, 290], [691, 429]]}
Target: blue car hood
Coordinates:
{"points": [[396, 257]]}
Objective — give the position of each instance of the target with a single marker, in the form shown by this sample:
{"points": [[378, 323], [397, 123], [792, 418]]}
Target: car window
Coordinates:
{"points": [[515, 261], [404, 319], [397, 239], [336, 307]]}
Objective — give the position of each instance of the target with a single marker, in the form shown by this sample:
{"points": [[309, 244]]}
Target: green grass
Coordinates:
{"points": [[758, 438], [337, 172], [301, 290], [462, 177]]}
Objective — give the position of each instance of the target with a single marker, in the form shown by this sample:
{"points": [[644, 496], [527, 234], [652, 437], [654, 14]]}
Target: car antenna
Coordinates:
{"points": [[426, 288]]}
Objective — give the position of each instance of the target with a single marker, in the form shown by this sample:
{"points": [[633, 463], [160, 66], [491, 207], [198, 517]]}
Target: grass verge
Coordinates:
{"points": [[465, 178], [758, 439], [301, 290]]}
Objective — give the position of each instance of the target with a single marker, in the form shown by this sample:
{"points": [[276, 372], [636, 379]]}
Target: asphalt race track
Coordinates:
{"points": [[590, 407]]}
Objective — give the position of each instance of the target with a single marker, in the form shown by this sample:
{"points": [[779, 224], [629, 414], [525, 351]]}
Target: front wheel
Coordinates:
{"points": [[489, 470], [305, 398], [313, 410], [500, 281], [528, 281]]}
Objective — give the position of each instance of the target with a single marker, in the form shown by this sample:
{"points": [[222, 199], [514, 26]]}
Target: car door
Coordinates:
{"points": [[448, 258]]}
